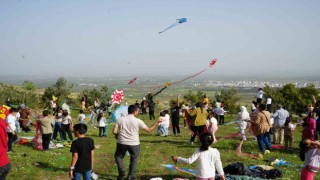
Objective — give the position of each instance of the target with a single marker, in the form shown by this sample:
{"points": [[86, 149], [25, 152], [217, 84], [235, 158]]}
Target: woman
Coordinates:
{"points": [[200, 120], [260, 127], [243, 115]]}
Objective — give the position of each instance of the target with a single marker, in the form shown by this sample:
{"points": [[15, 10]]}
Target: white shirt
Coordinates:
{"points": [[11, 120], [81, 117], [260, 94], [212, 121], [102, 122], [269, 100], [167, 120], [207, 162], [128, 130], [66, 119]]}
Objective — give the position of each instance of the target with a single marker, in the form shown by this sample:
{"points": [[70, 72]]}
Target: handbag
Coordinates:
{"points": [[271, 130]]}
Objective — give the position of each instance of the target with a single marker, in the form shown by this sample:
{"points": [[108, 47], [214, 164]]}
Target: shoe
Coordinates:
{"points": [[121, 176], [266, 152]]}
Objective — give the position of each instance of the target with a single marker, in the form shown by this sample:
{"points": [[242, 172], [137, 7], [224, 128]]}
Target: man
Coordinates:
{"points": [[5, 164], [280, 117], [126, 131], [259, 95]]}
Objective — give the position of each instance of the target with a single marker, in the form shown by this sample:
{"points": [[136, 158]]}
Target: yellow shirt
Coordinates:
{"points": [[200, 116]]}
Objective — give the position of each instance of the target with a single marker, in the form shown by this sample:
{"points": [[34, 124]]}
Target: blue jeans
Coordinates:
{"points": [[86, 175], [57, 128], [163, 129], [263, 140]]}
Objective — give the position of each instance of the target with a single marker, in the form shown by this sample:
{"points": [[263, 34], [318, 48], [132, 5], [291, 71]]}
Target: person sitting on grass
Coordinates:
{"points": [[208, 159], [82, 150]]}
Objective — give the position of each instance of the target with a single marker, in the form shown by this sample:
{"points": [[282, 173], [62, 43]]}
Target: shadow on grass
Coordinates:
{"points": [[49, 167]]}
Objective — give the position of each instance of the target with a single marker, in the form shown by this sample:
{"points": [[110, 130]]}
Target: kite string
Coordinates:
{"points": [[173, 25], [189, 77]]}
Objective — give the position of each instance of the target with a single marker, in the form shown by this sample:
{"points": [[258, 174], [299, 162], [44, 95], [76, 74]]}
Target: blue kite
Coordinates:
{"points": [[180, 21]]}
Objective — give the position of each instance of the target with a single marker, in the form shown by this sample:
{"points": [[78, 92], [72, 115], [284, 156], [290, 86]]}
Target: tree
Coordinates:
{"points": [[193, 97], [230, 98], [29, 88]]}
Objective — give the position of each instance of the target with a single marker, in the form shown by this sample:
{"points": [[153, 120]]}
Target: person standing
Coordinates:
{"points": [[143, 106], [242, 116], [24, 118], [175, 116], [200, 115], [5, 164], [46, 129], [259, 95], [82, 150], [269, 103], [11, 128], [66, 125], [96, 104], [126, 131], [280, 117]]}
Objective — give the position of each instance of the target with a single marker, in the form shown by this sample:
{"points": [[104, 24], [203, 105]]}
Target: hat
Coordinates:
{"points": [[23, 106]]}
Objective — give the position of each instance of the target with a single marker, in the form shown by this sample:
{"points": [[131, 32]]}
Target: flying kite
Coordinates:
{"points": [[116, 114], [117, 96], [132, 80], [213, 62], [180, 21]]}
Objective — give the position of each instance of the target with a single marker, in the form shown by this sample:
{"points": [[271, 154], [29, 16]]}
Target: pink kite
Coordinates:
{"points": [[213, 62], [240, 153], [117, 96], [132, 80]]}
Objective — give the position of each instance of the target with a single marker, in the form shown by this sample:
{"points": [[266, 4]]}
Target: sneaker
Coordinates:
{"points": [[266, 152]]}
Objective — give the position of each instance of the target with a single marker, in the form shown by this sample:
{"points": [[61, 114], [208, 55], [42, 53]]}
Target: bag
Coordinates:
{"points": [[271, 131]]}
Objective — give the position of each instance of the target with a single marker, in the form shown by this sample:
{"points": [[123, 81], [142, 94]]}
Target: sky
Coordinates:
{"points": [[101, 38]]}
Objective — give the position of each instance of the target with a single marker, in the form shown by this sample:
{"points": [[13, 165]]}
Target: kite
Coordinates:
{"points": [[116, 114], [213, 62], [4, 112], [54, 98], [132, 80], [180, 21], [240, 153], [117, 96], [183, 170]]}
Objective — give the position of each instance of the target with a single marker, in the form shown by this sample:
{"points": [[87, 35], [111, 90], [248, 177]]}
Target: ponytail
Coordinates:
{"points": [[206, 140]]}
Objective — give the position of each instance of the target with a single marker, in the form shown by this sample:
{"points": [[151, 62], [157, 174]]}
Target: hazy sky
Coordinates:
{"points": [[116, 38]]}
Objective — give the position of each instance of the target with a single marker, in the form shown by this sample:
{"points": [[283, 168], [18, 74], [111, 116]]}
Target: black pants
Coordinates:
{"points": [[175, 126], [46, 141], [269, 107], [259, 100], [10, 141], [66, 129], [134, 152], [4, 171], [221, 119], [151, 115], [197, 130], [101, 131]]}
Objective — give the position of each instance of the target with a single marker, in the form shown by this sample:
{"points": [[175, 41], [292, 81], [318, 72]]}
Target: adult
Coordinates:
{"points": [[46, 129], [24, 118], [175, 116], [259, 95], [269, 103], [57, 125], [143, 105], [198, 126], [280, 117], [151, 105], [11, 128], [66, 125], [5, 164], [260, 128], [242, 116], [96, 104], [126, 131], [83, 103]]}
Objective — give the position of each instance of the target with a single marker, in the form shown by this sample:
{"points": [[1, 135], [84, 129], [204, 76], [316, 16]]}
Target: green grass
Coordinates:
{"points": [[28, 163]]}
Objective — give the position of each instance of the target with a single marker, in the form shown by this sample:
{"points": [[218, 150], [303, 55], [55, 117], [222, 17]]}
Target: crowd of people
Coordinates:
{"points": [[268, 126]]}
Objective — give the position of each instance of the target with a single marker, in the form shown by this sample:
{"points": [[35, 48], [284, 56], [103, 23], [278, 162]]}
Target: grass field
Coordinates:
{"points": [[28, 163]]}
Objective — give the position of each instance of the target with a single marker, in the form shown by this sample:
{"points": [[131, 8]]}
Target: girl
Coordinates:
{"points": [[162, 126], [208, 159], [102, 124], [66, 125], [309, 126], [212, 125], [57, 125], [310, 154], [243, 115], [288, 133], [81, 117]]}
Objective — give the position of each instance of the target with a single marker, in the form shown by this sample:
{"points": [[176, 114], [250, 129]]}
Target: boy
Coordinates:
{"points": [[82, 154]]}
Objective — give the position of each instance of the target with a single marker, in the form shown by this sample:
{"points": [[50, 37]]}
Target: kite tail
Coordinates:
{"points": [[189, 77], [173, 25]]}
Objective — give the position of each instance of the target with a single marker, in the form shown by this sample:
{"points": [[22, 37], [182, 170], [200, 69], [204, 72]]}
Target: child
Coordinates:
{"points": [[45, 129], [82, 154], [208, 159], [288, 133], [243, 115], [81, 117], [163, 125], [66, 125], [92, 113], [102, 123], [212, 125], [310, 154]]}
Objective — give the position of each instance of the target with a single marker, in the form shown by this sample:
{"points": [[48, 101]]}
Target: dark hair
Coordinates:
{"points": [[162, 113], [200, 105], [132, 108], [100, 115], [206, 140], [80, 128], [45, 113], [303, 149], [65, 112], [262, 107], [81, 111], [13, 110], [166, 111], [288, 120]]}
